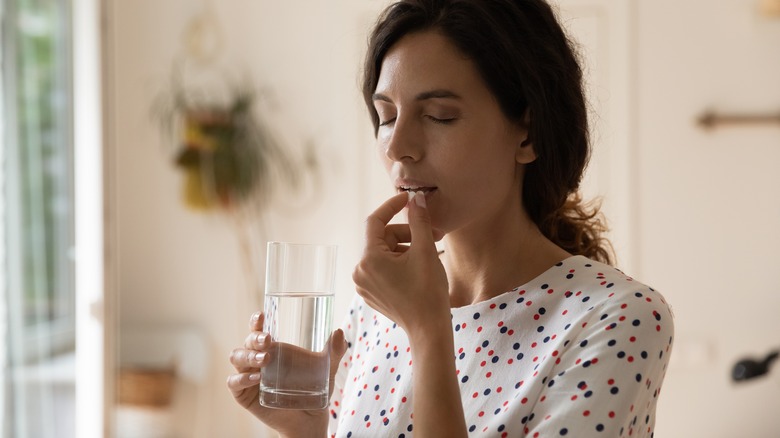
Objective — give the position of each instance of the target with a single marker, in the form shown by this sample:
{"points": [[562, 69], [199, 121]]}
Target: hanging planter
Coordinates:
{"points": [[227, 157]]}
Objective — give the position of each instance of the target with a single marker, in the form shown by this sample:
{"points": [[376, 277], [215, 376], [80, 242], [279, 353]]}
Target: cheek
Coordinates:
{"points": [[485, 171], [387, 163]]}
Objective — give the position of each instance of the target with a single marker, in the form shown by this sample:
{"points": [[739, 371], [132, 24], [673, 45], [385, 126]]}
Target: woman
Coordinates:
{"points": [[519, 327]]}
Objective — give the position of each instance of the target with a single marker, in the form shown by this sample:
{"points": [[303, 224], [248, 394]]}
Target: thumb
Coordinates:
{"points": [[420, 221], [338, 346]]}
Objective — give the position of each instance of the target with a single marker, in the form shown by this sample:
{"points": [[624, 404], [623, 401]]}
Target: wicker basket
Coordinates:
{"points": [[146, 387]]}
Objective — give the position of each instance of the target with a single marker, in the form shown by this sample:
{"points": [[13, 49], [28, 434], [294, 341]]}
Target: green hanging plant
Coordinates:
{"points": [[227, 155]]}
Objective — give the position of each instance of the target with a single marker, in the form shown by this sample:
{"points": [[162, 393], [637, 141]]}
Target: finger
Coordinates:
{"points": [[402, 248], [241, 381], [257, 341], [397, 233], [378, 220], [338, 347], [245, 360], [420, 223], [256, 321]]}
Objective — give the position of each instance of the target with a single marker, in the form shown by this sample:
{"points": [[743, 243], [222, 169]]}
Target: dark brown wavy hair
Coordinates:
{"points": [[531, 67]]}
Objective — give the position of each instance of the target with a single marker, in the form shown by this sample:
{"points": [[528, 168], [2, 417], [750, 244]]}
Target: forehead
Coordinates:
{"points": [[426, 60]]}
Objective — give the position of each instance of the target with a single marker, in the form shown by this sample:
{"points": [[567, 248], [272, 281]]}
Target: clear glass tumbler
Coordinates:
{"points": [[299, 290]]}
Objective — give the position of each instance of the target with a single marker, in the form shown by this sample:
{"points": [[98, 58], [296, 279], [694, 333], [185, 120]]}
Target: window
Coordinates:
{"points": [[36, 203]]}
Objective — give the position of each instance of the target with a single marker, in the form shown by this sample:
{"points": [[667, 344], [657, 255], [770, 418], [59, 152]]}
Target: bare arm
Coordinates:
{"points": [[408, 284], [438, 410]]}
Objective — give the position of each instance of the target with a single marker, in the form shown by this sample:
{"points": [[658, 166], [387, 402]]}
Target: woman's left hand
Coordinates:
{"points": [[407, 284]]}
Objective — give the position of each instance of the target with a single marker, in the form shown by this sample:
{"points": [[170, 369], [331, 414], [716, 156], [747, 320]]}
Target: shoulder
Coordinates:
{"points": [[622, 304], [599, 300], [612, 356], [610, 287]]}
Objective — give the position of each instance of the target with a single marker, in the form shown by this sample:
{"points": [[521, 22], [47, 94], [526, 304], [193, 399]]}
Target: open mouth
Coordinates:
{"points": [[426, 190]]}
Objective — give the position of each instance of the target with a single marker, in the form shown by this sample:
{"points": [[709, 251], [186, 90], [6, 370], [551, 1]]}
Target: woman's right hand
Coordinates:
{"points": [[245, 383]]}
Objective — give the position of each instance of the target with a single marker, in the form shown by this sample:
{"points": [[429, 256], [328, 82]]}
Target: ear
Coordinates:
{"points": [[525, 152]]}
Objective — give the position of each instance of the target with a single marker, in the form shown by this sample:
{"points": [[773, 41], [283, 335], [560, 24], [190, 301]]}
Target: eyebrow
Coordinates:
{"points": [[425, 95]]}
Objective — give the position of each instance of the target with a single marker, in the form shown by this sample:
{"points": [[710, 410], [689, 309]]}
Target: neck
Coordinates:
{"points": [[496, 257]]}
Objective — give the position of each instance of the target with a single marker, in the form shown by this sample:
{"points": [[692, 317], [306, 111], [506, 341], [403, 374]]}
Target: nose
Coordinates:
{"points": [[403, 143]]}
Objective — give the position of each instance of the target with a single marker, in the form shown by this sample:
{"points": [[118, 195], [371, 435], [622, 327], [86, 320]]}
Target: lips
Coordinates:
{"points": [[425, 190], [409, 185]]}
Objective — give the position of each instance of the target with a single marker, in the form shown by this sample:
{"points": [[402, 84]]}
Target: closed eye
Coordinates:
{"points": [[387, 122], [446, 121]]}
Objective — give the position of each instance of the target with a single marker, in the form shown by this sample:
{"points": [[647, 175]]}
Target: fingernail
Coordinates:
{"points": [[419, 199], [261, 338], [411, 195], [259, 357], [256, 316], [254, 377]]}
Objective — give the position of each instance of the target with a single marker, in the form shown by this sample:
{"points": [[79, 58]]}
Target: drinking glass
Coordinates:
{"points": [[299, 290]]}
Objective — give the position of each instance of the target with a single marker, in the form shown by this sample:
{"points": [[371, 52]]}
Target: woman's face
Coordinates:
{"points": [[442, 131]]}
